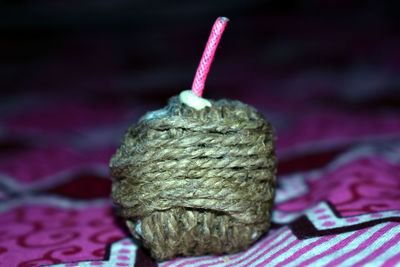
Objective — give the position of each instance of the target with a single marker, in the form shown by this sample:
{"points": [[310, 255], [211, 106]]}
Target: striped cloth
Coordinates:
{"points": [[328, 83]]}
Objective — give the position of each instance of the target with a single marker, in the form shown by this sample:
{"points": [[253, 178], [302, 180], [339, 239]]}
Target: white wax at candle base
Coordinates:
{"points": [[189, 98]]}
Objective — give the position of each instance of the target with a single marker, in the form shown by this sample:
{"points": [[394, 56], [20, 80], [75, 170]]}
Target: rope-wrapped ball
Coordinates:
{"points": [[195, 182]]}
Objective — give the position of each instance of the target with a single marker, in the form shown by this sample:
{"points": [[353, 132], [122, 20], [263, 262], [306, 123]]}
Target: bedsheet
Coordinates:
{"points": [[337, 201]]}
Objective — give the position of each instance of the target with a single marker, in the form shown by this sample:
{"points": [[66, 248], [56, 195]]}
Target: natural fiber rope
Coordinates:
{"points": [[194, 182]]}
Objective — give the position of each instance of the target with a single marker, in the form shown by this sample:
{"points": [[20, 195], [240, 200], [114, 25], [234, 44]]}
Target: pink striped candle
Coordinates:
{"points": [[208, 55]]}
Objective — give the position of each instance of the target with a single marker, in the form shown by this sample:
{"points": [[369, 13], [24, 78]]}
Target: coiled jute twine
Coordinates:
{"points": [[195, 182]]}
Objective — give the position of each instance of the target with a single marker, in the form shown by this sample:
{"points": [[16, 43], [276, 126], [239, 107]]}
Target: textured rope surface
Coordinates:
{"points": [[198, 181], [208, 55]]}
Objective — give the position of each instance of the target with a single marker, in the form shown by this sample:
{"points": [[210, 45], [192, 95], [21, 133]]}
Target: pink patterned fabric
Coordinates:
{"points": [[337, 121]]}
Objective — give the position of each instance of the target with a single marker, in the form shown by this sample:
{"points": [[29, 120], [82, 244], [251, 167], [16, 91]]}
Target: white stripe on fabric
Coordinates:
{"points": [[380, 241], [350, 246], [272, 251], [380, 260], [290, 251], [319, 249]]}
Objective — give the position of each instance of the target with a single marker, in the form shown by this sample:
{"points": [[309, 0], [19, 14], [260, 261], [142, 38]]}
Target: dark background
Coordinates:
{"points": [[145, 51], [74, 75]]}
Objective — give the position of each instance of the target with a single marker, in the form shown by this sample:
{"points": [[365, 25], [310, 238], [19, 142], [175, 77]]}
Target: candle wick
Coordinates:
{"points": [[208, 55]]}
